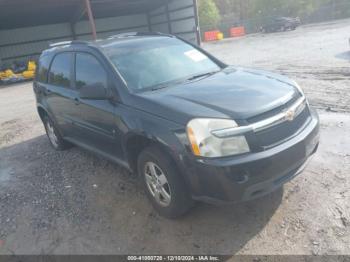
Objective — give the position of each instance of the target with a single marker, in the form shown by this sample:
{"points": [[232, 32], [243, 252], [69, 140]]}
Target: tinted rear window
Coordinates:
{"points": [[43, 68]]}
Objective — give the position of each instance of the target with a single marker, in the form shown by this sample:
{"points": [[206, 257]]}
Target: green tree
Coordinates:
{"points": [[245, 9], [260, 11], [234, 8], [209, 16]]}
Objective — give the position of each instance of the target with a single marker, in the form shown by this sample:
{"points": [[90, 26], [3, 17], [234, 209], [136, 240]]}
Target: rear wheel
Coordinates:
{"points": [[163, 184], [56, 140]]}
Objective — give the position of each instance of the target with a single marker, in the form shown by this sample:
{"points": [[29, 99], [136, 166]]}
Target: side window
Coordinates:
{"points": [[43, 68], [60, 70], [88, 71]]}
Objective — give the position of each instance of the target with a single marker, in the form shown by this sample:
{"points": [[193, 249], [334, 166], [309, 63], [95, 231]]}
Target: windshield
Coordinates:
{"points": [[147, 63]]}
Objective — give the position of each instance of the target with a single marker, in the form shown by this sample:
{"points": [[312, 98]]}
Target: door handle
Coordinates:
{"points": [[76, 101], [47, 91]]}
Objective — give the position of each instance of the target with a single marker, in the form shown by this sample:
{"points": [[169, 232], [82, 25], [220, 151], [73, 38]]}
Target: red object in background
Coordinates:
{"points": [[211, 35], [237, 31]]}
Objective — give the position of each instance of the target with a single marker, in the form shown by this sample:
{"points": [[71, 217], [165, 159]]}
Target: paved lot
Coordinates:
{"points": [[75, 203]]}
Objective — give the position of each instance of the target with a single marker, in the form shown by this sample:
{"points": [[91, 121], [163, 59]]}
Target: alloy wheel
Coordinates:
{"points": [[51, 134], [157, 184]]}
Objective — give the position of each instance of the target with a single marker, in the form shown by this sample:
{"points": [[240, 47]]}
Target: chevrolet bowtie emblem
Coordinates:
{"points": [[290, 114]]}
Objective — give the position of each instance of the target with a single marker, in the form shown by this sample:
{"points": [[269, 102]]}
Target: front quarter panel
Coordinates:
{"points": [[168, 134]]}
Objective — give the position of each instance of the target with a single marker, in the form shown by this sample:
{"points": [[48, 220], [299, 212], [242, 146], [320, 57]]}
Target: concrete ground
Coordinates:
{"points": [[73, 202]]}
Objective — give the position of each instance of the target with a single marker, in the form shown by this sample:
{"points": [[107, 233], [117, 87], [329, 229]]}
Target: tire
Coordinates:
{"points": [[54, 136], [170, 196]]}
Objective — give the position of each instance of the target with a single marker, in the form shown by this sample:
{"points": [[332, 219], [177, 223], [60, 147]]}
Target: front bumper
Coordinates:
{"points": [[245, 177]]}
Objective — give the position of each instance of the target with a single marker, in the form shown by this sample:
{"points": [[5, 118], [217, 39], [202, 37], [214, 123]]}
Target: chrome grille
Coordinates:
{"points": [[278, 127], [283, 131]]}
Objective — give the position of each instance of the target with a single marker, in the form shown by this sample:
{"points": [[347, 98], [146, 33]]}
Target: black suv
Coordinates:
{"points": [[281, 24], [192, 127]]}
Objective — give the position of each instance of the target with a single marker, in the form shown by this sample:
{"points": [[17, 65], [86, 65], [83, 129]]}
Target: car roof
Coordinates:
{"points": [[101, 43]]}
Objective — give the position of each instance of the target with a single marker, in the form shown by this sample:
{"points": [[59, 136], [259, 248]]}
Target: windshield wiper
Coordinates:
{"points": [[158, 87], [165, 85], [201, 75]]}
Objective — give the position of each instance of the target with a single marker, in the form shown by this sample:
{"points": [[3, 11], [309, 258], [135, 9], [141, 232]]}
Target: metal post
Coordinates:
{"points": [[198, 32], [72, 28], [168, 16], [149, 22], [91, 19]]}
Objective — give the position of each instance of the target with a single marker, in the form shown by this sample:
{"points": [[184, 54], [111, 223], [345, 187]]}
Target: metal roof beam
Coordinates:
{"points": [[91, 19]]}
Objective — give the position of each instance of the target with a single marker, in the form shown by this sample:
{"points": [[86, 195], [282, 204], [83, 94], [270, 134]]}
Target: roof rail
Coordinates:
{"points": [[74, 42], [132, 34]]}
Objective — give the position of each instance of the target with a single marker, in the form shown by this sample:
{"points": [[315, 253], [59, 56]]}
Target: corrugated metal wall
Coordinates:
{"points": [[113, 25], [22, 43], [178, 17], [16, 43]]}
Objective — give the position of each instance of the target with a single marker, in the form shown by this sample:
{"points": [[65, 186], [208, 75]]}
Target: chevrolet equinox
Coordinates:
{"points": [[191, 127]]}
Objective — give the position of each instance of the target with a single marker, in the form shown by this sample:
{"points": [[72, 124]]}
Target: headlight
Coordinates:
{"points": [[298, 87], [204, 143]]}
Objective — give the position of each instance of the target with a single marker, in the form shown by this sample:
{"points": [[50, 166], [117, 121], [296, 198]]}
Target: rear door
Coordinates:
{"points": [[97, 120], [60, 96]]}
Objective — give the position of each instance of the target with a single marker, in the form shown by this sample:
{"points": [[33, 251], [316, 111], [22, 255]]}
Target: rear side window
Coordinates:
{"points": [[43, 68], [89, 71], [60, 71]]}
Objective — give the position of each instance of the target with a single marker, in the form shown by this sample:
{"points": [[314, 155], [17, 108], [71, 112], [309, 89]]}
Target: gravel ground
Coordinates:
{"points": [[317, 56], [75, 203]]}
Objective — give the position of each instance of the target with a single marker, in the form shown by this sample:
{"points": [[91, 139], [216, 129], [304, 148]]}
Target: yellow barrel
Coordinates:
{"points": [[220, 36]]}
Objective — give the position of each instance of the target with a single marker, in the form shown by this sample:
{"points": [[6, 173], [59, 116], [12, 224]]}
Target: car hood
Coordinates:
{"points": [[236, 93]]}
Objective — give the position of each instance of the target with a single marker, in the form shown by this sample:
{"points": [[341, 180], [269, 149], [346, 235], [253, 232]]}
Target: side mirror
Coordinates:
{"points": [[94, 92]]}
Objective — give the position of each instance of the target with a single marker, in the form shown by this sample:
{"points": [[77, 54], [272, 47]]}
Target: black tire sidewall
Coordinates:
{"points": [[181, 200]]}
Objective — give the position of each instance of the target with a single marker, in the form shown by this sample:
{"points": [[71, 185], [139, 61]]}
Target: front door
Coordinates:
{"points": [[97, 121]]}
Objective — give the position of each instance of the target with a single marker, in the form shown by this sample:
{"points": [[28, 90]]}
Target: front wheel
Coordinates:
{"points": [[163, 185]]}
